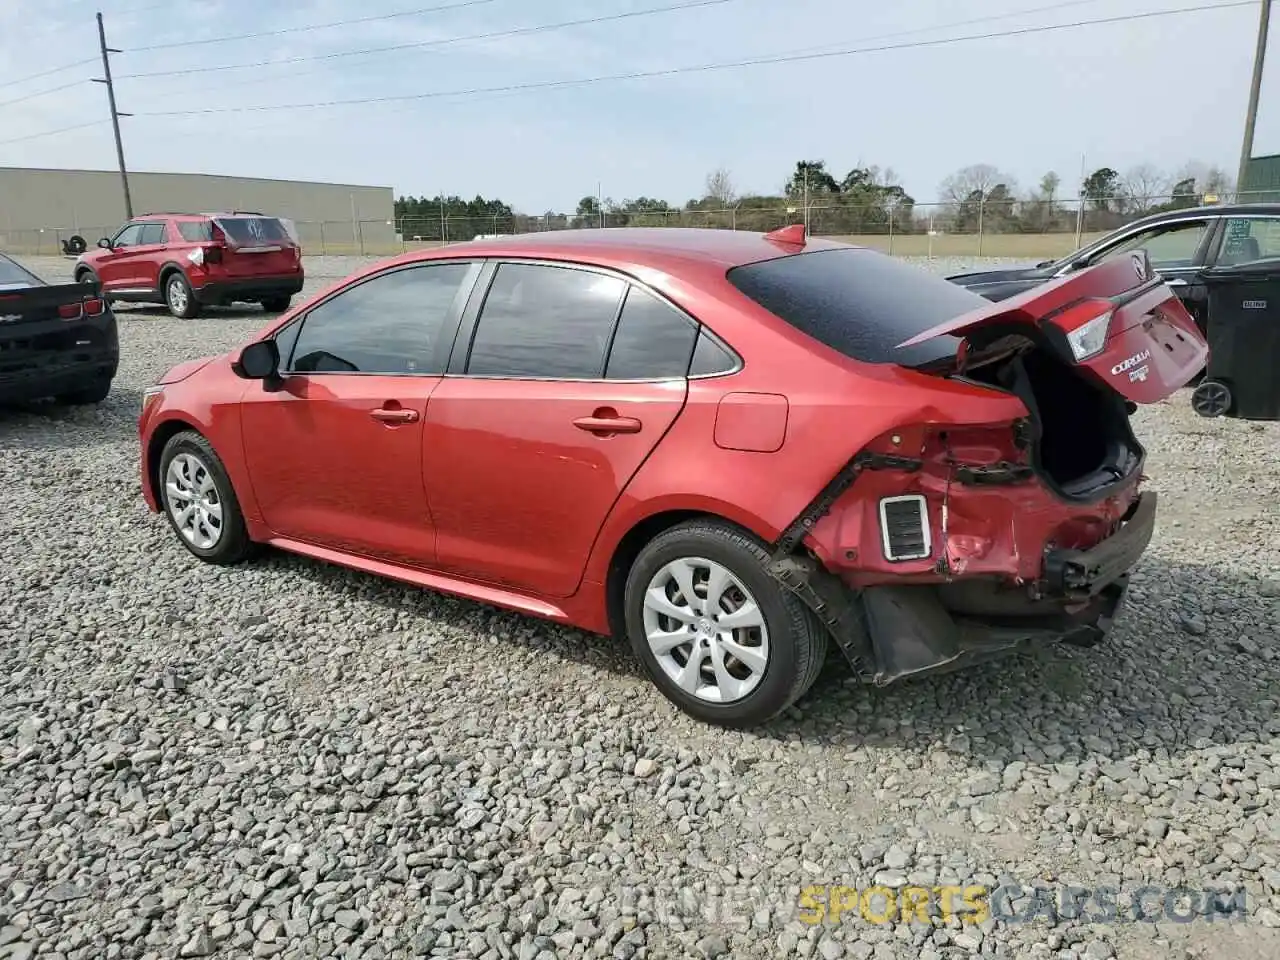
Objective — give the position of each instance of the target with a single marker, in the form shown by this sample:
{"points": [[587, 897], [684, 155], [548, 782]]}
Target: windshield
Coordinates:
{"points": [[13, 277], [859, 302]]}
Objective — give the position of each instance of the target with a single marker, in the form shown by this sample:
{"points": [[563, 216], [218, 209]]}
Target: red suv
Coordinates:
{"points": [[731, 448], [188, 261]]}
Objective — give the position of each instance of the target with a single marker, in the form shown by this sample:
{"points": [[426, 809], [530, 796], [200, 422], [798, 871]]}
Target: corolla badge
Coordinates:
{"points": [[1131, 362], [1135, 366]]}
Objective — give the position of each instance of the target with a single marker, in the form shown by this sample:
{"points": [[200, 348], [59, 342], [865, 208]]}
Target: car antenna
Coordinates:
{"points": [[792, 235]]}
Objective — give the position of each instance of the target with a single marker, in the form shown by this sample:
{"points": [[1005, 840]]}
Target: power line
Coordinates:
{"points": [[494, 35], [701, 68], [50, 133], [310, 27], [877, 37], [41, 93], [46, 73], [957, 23]]}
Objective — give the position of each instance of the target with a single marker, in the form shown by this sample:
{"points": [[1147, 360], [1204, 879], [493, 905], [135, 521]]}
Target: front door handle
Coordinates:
{"points": [[606, 421], [394, 416]]}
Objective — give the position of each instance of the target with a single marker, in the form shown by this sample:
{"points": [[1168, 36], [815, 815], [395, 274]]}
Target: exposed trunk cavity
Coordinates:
{"points": [[1080, 439]]}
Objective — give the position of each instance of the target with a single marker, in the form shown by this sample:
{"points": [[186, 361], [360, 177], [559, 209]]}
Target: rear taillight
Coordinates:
{"points": [[70, 311], [94, 308], [204, 255]]}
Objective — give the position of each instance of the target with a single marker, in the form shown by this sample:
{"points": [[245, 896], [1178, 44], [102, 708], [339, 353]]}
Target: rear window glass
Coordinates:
{"points": [[859, 302], [12, 275], [250, 231], [196, 231]]}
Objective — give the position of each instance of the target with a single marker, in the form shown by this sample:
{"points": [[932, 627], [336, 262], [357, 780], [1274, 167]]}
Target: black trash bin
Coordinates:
{"points": [[1242, 379]]}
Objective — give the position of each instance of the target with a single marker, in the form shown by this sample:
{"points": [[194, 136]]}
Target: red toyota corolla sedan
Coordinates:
{"points": [[732, 448]]}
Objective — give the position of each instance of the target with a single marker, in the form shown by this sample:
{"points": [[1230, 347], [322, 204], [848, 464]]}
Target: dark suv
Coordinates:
{"points": [[188, 261]]}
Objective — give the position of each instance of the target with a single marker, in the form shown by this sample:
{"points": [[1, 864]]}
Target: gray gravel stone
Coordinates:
{"points": [[287, 759]]}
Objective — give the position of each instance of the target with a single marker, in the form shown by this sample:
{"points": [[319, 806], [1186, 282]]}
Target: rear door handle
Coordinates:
{"points": [[394, 416], [608, 422]]}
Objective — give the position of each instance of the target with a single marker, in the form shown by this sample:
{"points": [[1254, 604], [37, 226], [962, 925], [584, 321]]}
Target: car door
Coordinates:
{"points": [[334, 450], [144, 260], [114, 265], [544, 424]]}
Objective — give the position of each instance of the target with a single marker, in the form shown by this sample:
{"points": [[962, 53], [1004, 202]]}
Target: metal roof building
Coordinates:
{"points": [[1261, 181], [40, 208]]}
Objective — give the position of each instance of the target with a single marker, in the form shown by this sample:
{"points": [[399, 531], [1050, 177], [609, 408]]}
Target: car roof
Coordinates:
{"points": [[198, 216], [654, 246], [1213, 210]]}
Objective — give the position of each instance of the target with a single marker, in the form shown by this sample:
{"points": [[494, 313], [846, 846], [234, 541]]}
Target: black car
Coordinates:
{"points": [[1182, 245], [56, 340]]}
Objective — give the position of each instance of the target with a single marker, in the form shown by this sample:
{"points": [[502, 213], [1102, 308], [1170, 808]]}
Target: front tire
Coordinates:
{"points": [[721, 639], [179, 297], [199, 501]]}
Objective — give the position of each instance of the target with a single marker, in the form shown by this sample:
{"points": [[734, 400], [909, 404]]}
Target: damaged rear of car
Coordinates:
{"points": [[1007, 511]]}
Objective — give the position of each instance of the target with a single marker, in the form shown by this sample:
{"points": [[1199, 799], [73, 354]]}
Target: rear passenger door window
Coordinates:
{"points": [[653, 340], [151, 234], [395, 323], [545, 322]]}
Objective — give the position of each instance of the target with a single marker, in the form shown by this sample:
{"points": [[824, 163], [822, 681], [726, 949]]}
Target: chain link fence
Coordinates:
{"points": [[1003, 228]]}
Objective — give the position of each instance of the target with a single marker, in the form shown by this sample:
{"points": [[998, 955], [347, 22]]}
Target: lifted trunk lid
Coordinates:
{"points": [[1117, 321]]}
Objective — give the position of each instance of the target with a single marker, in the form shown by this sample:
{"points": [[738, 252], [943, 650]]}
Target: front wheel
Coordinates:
{"points": [[199, 501], [179, 297], [721, 639]]}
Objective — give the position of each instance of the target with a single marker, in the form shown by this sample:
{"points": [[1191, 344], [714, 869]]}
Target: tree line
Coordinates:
{"points": [[866, 200]]}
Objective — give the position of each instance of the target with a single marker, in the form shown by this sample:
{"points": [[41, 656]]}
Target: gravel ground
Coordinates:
{"points": [[288, 759]]}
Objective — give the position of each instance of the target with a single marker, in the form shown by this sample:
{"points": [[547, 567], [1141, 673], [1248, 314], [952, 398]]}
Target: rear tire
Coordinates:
{"points": [[179, 297], [757, 648], [199, 501], [95, 393], [276, 304]]}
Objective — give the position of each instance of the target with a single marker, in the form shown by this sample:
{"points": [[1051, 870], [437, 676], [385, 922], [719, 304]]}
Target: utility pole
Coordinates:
{"points": [[1255, 91], [115, 115]]}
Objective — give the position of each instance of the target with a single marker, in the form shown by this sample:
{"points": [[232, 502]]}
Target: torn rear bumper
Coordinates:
{"points": [[891, 632], [912, 633]]}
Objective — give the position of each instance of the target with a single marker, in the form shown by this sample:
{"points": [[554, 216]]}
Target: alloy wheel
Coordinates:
{"points": [[178, 296], [192, 499], [706, 630]]}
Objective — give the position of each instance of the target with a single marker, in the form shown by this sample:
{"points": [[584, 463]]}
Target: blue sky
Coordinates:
{"points": [[1166, 91]]}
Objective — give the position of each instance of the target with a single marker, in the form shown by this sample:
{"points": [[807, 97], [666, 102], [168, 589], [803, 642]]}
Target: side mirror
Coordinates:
{"points": [[258, 361], [105, 243], [1044, 263]]}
